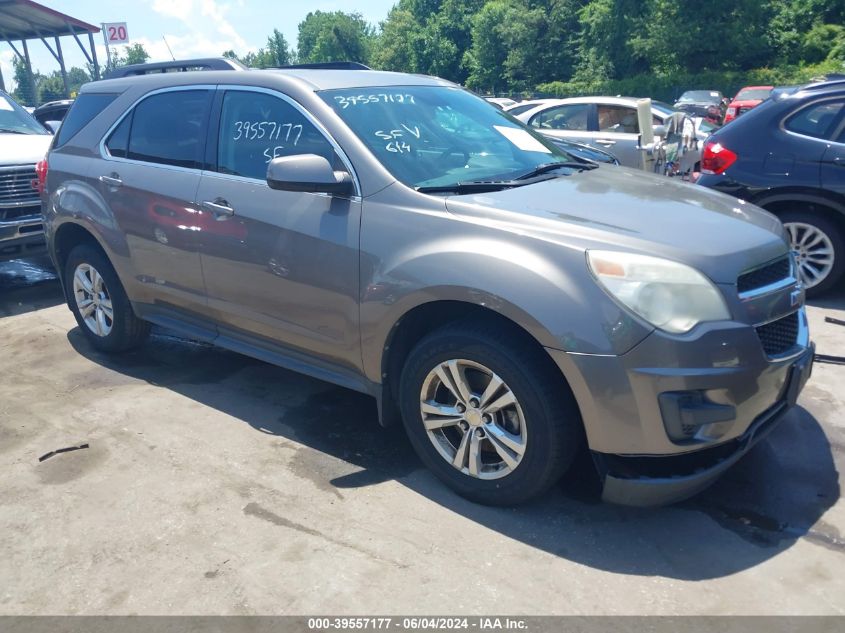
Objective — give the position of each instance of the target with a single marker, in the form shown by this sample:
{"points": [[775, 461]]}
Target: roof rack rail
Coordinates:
{"points": [[180, 65], [328, 66], [824, 81]]}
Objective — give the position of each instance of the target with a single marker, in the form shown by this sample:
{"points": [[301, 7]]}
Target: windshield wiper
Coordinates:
{"points": [[547, 167], [482, 186]]}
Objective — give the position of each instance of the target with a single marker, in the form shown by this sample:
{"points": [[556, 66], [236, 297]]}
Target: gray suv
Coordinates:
{"points": [[395, 234]]}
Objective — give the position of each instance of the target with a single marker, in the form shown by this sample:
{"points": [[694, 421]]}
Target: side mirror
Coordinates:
{"points": [[660, 130], [53, 126], [308, 173]]}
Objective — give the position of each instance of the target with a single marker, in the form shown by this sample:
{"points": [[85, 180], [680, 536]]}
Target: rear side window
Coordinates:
{"points": [[81, 113], [255, 128], [168, 129], [566, 117], [618, 119], [118, 141], [815, 120]]}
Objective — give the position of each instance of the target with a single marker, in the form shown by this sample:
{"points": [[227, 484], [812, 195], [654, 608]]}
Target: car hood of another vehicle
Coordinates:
{"points": [[746, 103], [618, 208], [23, 149]]}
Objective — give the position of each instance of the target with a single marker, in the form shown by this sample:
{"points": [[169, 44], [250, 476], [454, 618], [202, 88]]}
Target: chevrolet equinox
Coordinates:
{"points": [[397, 235]]}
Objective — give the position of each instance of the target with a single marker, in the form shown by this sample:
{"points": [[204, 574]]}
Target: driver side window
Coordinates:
{"points": [[566, 117], [257, 127]]}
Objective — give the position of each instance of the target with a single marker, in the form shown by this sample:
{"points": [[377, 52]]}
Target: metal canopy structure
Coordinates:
{"points": [[24, 20]]}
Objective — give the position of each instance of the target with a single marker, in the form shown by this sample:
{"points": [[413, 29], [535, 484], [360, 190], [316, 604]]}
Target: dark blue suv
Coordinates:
{"points": [[787, 155]]}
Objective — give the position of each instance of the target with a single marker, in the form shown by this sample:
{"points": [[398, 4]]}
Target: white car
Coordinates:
{"points": [[501, 102], [610, 124], [23, 142], [525, 106]]}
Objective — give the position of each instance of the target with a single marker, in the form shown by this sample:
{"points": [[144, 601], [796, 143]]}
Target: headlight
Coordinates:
{"points": [[671, 296]]}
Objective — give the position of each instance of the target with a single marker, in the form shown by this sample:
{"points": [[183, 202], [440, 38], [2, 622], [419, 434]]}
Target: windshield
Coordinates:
{"points": [[754, 94], [15, 120], [700, 96], [431, 136]]}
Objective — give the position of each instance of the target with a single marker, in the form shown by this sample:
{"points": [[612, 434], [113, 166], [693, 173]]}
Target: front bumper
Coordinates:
{"points": [[22, 238], [628, 431]]}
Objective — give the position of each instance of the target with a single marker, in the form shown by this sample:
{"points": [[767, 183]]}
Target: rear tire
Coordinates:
{"points": [[812, 237], [499, 445], [99, 303]]}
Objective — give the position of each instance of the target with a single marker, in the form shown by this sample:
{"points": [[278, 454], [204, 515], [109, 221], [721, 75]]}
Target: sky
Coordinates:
{"points": [[193, 28]]}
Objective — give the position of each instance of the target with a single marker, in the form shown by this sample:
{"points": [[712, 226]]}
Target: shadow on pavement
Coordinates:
{"points": [[774, 496], [27, 285]]}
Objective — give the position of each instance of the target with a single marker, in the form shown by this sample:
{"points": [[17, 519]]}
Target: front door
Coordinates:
{"points": [[280, 267]]}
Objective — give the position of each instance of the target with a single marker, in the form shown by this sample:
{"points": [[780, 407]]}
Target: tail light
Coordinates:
{"points": [[730, 114], [716, 158], [41, 173]]}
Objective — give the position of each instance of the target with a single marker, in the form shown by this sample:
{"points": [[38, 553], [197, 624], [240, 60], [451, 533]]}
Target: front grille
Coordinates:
{"points": [[779, 336], [16, 185], [10, 214], [773, 272]]}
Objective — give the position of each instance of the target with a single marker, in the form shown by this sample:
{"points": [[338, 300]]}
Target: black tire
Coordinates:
{"points": [[127, 330], [551, 417], [834, 234]]}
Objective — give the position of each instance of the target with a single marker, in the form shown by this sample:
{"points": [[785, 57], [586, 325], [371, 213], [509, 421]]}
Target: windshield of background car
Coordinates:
{"points": [[700, 96], [15, 120], [757, 94], [436, 135], [663, 108]]}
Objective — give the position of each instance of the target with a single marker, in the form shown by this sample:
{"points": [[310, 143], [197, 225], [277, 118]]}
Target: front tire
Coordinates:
{"points": [[488, 413], [99, 303]]}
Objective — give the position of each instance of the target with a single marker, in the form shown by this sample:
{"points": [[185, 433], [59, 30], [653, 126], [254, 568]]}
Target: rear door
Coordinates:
{"points": [[148, 176], [814, 159], [618, 132], [281, 268], [833, 161]]}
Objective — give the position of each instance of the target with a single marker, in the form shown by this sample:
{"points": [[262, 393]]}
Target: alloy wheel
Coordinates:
{"points": [[93, 300], [813, 250], [473, 419]]}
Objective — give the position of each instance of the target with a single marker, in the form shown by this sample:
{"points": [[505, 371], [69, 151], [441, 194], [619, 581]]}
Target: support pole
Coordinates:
{"points": [[29, 74], [108, 52], [2, 83], [61, 59], [94, 56]]}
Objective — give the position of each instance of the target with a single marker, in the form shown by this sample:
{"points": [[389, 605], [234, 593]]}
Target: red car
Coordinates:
{"points": [[746, 99]]}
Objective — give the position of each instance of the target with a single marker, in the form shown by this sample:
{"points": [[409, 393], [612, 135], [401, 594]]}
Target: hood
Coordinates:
{"points": [[624, 209], [23, 149]]}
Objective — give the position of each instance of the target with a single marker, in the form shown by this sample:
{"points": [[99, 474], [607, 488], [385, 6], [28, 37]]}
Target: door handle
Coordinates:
{"points": [[218, 207], [112, 181], [605, 141]]}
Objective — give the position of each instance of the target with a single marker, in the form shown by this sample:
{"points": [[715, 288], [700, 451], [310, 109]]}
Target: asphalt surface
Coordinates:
{"points": [[199, 481]]}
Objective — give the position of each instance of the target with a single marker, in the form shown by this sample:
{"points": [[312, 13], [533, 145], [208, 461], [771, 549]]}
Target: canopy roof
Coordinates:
{"points": [[26, 20]]}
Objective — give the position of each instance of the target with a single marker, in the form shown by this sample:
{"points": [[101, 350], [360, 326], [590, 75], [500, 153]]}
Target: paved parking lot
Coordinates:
{"points": [[217, 484]]}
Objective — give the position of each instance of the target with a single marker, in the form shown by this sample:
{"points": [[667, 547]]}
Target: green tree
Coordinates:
{"points": [[674, 37], [26, 88], [400, 42], [821, 41], [334, 36]]}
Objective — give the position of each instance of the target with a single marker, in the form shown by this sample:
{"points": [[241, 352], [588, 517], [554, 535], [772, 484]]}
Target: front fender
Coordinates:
{"points": [[543, 287]]}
